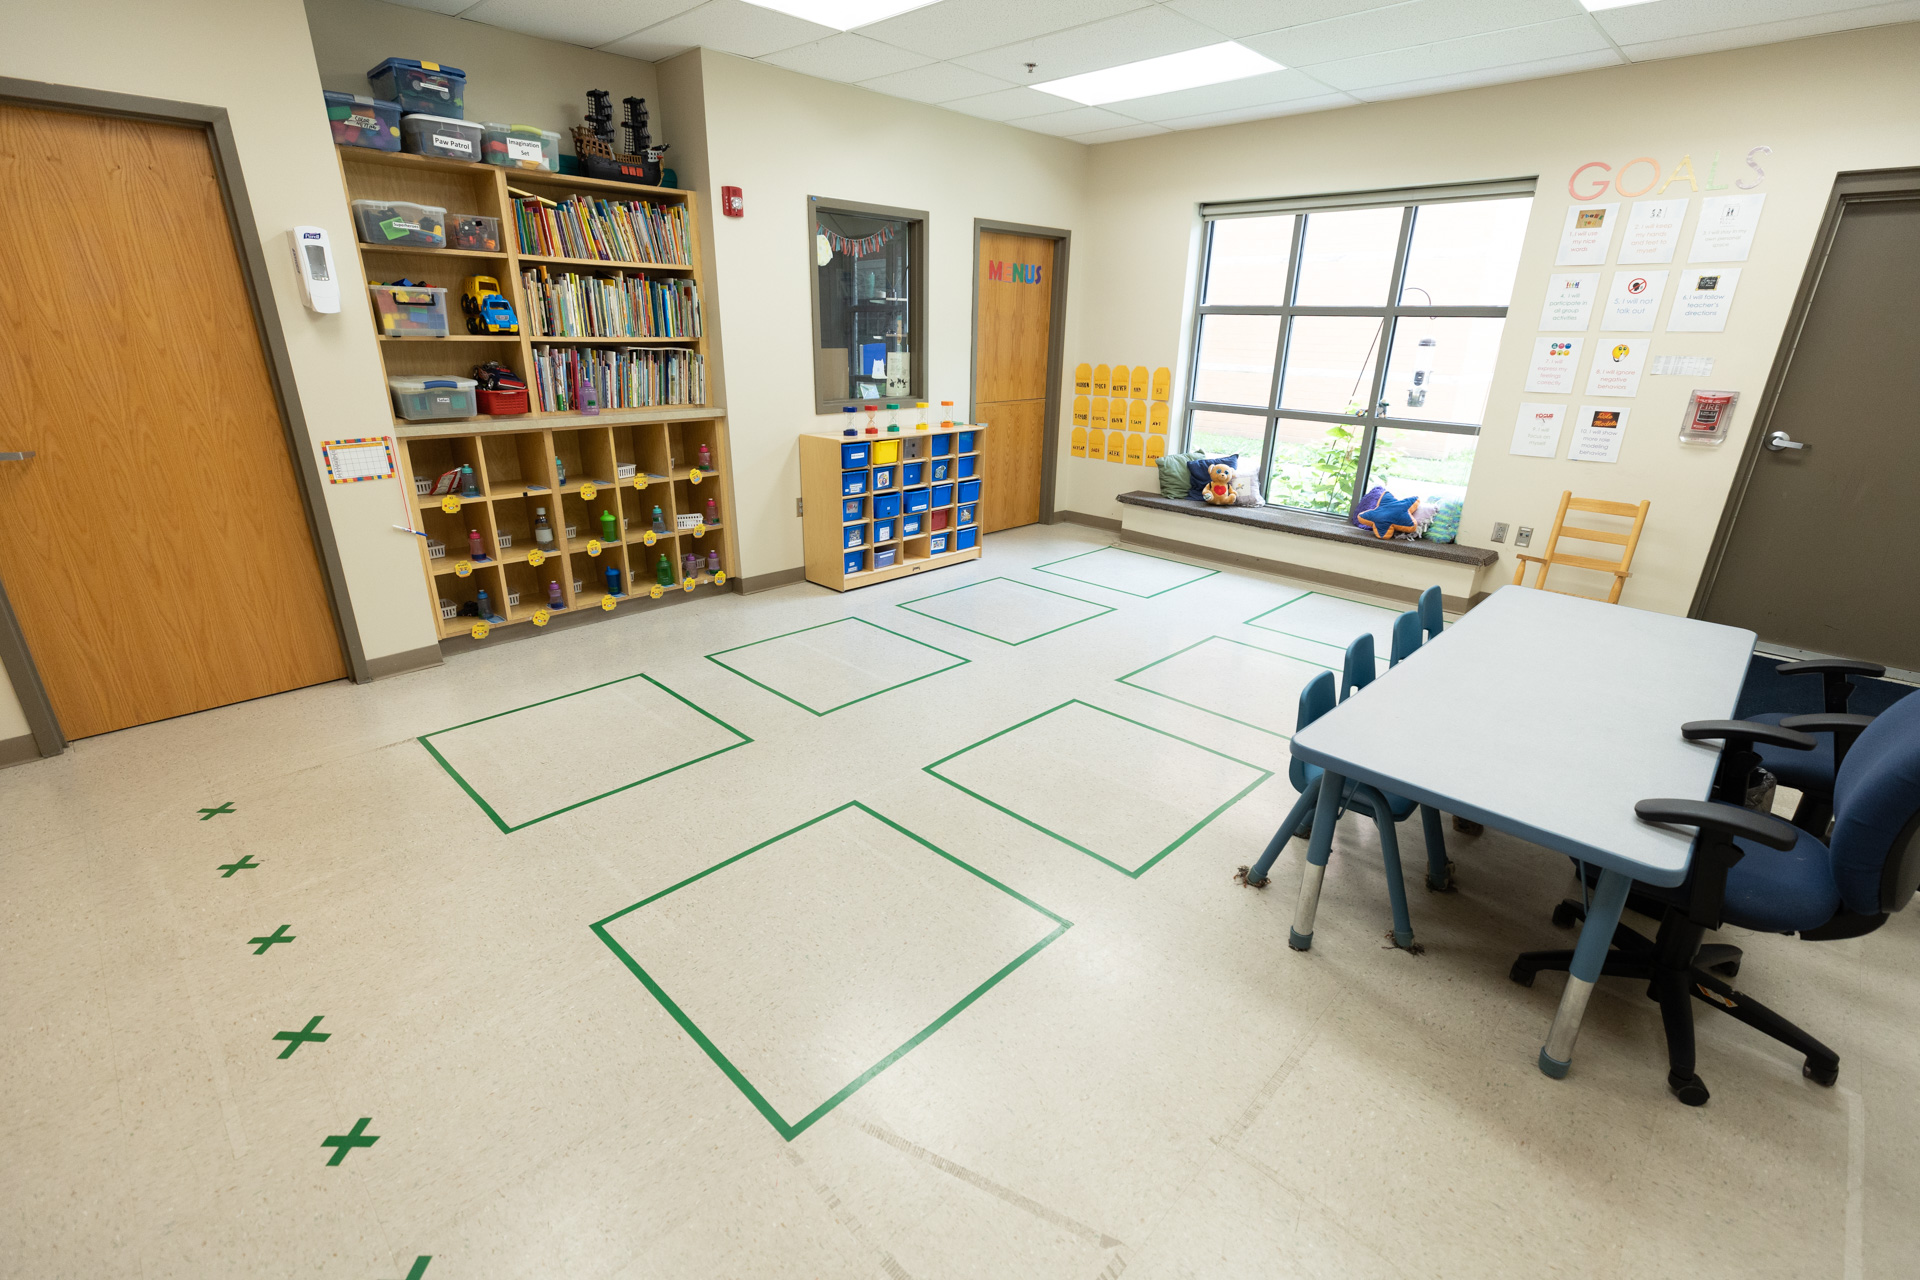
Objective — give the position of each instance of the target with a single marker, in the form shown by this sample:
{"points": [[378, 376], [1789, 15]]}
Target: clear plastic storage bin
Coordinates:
{"points": [[442, 136], [421, 86], [360, 121], [398, 222], [520, 146], [408, 311], [472, 231], [422, 399]]}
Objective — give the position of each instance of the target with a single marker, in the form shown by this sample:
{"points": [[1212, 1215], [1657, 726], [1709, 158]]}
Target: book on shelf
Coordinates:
{"points": [[604, 230], [622, 377], [570, 305]]}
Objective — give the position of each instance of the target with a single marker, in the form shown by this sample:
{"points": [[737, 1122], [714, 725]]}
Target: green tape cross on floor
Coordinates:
{"points": [[226, 806], [227, 869], [271, 938], [296, 1038], [354, 1137]]}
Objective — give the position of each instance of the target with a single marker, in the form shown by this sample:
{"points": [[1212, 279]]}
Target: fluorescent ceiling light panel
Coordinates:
{"points": [[841, 15], [1595, 6], [1214, 64]]}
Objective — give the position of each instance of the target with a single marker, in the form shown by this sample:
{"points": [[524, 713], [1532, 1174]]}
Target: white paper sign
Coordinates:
{"points": [[1633, 302], [1616, 367], [1653, 231], [1555, 361], [1683, 366], [1704, 298], [1725, 230], [1587, 235], [1569, 304], [1536, 432], [1596, 434]]}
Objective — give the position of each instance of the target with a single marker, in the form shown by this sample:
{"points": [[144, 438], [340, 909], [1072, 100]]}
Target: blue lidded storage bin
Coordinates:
{"points": [[964, 442], [943, 495], [426, 87], [943, 444], [883, 559], [910, 525], [964, 516], [965, 539], [969, 491], [882, 478], [853, 455], [916, 500], [967, 466], [913, 473], [360, 121], [883, 531], [886, 505], [853, 508], [854, 535], [937, 544], [852, 482], [940, 470], [856, 562]]}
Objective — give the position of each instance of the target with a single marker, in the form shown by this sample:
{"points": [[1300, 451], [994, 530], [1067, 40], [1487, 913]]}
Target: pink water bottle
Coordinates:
{"points": [[713, 512], [706, 459], [475, 547]]}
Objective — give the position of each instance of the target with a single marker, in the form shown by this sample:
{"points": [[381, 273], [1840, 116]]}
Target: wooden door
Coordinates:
{"points": [[1010, 373], [155, 548]]}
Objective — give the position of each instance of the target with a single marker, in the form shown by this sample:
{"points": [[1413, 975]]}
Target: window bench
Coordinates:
{"points": [[1282, 520]]}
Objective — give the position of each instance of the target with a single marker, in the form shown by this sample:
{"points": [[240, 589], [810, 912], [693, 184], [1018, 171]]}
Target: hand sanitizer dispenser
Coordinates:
{"points": [[313, 260]]}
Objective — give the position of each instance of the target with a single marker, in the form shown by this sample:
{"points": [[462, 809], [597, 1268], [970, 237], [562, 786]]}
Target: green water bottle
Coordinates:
{"points": [[609, 527], [664, 574]]}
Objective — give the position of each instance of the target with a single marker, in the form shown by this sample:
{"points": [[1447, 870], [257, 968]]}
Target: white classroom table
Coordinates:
{"points": [[1547, 716]]}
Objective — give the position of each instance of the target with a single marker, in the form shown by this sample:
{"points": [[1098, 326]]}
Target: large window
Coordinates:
{"points": [[869, 313], [1344, 344]]}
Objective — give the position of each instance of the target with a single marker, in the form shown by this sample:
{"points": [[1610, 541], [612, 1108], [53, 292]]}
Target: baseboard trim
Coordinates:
{"points": [[18, 750], [768, 581], [1105, 524], [1286, 569], [398, 664]]}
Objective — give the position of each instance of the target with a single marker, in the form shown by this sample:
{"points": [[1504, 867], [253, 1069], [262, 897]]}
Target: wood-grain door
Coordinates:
{"points": [[155, 548], [1010, 373]]}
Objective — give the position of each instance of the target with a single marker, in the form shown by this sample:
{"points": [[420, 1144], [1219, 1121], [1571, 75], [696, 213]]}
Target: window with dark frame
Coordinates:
{"points": [[868, 264], [1349, 343]]}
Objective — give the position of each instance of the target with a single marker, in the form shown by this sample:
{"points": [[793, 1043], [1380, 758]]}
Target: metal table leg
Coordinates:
{"points": [[1325, 814], [1439, 866], [1589, 954]]}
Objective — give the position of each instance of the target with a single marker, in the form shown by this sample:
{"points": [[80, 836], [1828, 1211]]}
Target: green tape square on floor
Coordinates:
{"points": [[810, 963], [829, 667], [1131, 573], [1233, 680], [1005, 610], [534, 762], [1329, 620], [1118, 790]]}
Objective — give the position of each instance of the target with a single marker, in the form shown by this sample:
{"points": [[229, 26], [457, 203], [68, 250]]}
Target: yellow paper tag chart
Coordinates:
{"points": [[1116, 446], [1157, 417], [1162, 383], [656, 591], [1100, 376], [1083, 379], [480, 630], [1141, 377], [1096, 444], [536, 557], [1080, 410], [1117, 386], [1136, 449], [607, 603], [1137, 414], [649, 537], [451, 504], [541, 617], [1097, 414], [586, 492], [593, 546], [1156, 449], [462, 569], [1078, 443]]}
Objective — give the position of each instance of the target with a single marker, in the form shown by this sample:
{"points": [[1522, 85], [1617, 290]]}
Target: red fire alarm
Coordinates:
{"points": [[732, 203]]}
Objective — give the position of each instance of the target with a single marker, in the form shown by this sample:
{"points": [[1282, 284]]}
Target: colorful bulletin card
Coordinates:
{"points": [[362, 458], [1597, 433]]}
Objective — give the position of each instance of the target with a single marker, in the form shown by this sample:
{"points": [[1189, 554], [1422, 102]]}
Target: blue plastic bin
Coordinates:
{"points": [[943, 444], [853, 535], [886, 505], [913, 473], [916, 500], [882, 478], [883, 559], [911, 525], [964, 516], [967, 466], [853, 509], [852, 482], [853, 455], [963, 442], [937, 544], [965, 539], [883, 531], [856, 562], [943, 495], [969, 491], [428, 87]]}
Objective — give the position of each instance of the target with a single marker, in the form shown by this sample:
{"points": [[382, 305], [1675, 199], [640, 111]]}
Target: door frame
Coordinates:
{"points": [[1856, 187], [218, 127], [1056, 344]]}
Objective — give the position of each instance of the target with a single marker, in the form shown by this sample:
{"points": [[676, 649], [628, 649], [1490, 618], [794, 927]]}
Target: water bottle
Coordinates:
{"points": [[609, 527], [713, 561], [542, 531], [486, 610], [469, 486], [706, 459], [692, 563], [476, 548], [613, 580], [659, 521], [554, 600], [664, 574], [713, 512]]}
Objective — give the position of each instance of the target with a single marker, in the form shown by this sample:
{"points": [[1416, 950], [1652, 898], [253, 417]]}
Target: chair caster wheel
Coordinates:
{"points": [[1466, 826], [1564, 916], [1521, 974], [1820, 1074], [1731, 969], [1691, 1090]]}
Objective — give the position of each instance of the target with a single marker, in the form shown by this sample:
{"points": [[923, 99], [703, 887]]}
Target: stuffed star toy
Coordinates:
{"points": [[1393, 515]]}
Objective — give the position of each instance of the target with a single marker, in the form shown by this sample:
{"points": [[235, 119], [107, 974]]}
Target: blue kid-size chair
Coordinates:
{"points": [[1406, 636], [1431, 620], [1756, 872]]}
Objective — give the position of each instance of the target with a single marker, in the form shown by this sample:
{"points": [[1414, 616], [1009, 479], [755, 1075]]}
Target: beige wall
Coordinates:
{"points": [[782, 137], [1834, 103]]}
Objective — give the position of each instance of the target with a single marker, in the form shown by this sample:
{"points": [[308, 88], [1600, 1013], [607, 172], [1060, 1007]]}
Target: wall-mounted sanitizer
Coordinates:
{"points": [[313, 259]]}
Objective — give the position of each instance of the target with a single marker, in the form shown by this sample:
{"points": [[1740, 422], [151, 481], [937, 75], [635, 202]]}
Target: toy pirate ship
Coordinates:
{"points": [[593, 142]]}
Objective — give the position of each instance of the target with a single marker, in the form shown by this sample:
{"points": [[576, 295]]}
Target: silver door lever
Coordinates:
{"points": [[1781, 440], [16, 457]]}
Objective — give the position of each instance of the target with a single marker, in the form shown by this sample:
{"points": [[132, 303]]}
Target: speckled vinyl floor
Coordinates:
{"points": [[891, 934]]}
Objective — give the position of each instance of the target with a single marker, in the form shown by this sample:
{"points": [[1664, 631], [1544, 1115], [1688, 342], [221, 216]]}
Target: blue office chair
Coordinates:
{"points": [[1406, 636], [1752, 870], [1811, 773], [1431, 620]]}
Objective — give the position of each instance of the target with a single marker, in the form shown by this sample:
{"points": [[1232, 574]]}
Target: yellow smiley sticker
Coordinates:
{"points": [[693, 476], [593, 546], [450, 504], [720, 578], [541, 617], [701, 532], [480, 630], [688, 585], [536, 557], [587, 491], [607, 602], [640, 480], [649, 537], [656, 591], [462, 569]]}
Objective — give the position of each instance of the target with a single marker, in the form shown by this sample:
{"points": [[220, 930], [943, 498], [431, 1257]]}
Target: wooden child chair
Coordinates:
{"points": [[1626, 541]]}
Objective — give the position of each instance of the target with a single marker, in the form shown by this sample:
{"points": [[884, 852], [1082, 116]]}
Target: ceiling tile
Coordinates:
{"points": [[727, 25], [1399, 27], [1062, 124], [1144, 33], [936, 82], [573, 23], [1458, 57], [1007, 104], [846, 57], [1249, 17], [955, 27], [1772, 32], [1640, 23], [1235, 95], [1299, 106], [1506, 73], [448, 7], [1117, 135]]}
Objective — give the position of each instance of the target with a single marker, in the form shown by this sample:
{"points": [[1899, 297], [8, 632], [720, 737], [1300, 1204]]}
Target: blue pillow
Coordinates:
{"points": [[1390, 518], [1197, 473]]}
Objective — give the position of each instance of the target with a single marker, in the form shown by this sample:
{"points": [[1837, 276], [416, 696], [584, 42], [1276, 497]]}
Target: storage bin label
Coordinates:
{"points": [[521, 149], [394, 228], [445, 143]]}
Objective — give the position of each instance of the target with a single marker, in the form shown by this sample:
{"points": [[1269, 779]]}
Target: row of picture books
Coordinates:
{"points": [[575, 379], [569, 305], [604, 230]]}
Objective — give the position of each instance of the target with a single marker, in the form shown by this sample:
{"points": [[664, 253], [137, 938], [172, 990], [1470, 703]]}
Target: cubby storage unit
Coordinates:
{"points": [[633, 458], [880, 507]]}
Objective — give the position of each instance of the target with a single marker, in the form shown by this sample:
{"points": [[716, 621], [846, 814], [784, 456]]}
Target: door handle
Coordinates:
{"points": [[16, 457], [1781, 440]]}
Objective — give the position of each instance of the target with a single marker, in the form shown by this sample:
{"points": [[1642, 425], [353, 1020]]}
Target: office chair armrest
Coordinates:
{"points": [[1715, 851], [1844, 727], [1834, 673], [1738, 733]]}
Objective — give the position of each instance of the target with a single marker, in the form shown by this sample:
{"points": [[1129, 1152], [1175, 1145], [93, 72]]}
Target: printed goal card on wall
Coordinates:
{"points": [[361, 458]]}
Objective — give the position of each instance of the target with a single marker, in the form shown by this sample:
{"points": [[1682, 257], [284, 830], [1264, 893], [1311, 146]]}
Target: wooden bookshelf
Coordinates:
{"points": [[848, 535], [514, 457]]}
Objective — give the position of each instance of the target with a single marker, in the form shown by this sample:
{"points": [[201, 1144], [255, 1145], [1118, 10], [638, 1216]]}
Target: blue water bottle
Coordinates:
{"points": [[613, 580]]}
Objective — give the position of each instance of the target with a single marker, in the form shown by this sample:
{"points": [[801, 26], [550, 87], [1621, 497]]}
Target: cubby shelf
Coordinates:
{"points": [[830, 462], [512, 451]]}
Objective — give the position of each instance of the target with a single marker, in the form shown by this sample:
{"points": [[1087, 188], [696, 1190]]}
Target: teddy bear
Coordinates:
{"points": [[1219, 489]]}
